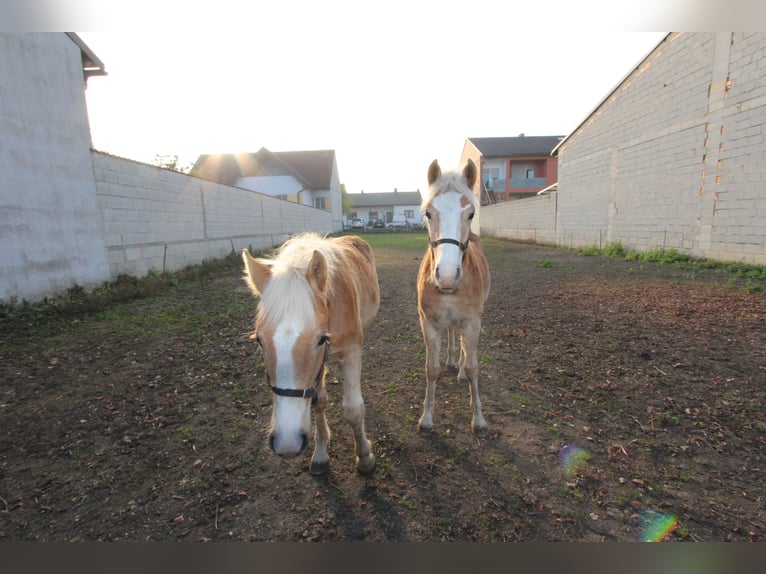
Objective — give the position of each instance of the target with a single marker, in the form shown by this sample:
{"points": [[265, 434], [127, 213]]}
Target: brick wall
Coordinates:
{"points": [[156, 219], [675, 157]]}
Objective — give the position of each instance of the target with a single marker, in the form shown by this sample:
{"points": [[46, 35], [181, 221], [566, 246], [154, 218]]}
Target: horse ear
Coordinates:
{"points": [[434, 172], [257, 272], [316, 274], [469, 173]]}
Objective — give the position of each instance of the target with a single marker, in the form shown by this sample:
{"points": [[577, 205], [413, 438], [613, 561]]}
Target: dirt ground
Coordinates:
{"points": [[625, 401]]}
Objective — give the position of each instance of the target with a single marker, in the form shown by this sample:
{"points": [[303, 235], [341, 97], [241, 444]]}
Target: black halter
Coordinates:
{"points": [[463, 246], [310, 392]]}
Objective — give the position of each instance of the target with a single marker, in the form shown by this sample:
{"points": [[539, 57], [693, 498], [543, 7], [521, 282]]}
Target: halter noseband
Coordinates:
{"points": [[310, 392], [463, 246]]}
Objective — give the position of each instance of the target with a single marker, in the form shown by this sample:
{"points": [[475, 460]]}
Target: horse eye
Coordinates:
{"points": [[428, 215], [257, 340], [322, 340]]}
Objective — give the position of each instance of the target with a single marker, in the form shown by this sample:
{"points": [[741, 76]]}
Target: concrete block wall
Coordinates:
{"points": [[674, 157], [530, 219], [155, 219], [50, 228]]}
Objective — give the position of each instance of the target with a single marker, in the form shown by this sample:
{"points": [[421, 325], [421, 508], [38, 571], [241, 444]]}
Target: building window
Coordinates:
{"points": [[409, 214], [319, 202], [530, 173], [489, 175], [283, 197]]}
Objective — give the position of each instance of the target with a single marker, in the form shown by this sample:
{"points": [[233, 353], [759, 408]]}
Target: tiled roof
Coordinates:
{"points": [[313, 168], [384, 199], [316, 166], [516, 146]]}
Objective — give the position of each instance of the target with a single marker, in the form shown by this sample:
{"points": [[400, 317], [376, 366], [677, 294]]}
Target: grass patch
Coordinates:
{"points": [[77, 301], [416, 240], [752, 276]]}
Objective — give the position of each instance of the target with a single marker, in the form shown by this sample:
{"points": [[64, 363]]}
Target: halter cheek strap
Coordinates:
{"points": [[463, 246]]}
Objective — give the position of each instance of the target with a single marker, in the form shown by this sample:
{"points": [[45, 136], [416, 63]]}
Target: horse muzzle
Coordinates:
{"points": [[447, 280], [288, 446]]}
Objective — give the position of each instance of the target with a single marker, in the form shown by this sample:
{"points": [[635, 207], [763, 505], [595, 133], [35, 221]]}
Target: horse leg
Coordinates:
{"points": [[461, 376], [471, 368], [353, 409], [320, 459], [432, 339], [452, 349]]}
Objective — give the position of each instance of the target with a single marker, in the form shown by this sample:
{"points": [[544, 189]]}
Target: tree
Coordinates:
{"points": [[171, 162], [345, 200]]}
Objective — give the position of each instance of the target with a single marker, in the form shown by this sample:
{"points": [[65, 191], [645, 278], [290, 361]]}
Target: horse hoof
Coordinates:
{"points": [[480, 432], [365, 465], [319, 468]]}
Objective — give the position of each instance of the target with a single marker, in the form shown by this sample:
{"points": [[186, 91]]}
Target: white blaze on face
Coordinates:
{"points": [[291, 416], [449, 257]]}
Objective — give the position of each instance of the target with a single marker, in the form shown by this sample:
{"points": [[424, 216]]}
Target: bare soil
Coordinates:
{"points": [[617, 393]]}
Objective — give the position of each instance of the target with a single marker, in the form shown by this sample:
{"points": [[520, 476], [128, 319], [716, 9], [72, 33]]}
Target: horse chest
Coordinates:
{"points": [[445, 309]]}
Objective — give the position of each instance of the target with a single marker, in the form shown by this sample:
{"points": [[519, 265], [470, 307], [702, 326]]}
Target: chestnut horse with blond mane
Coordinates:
{"points": [[317, 298], [453, 284]]}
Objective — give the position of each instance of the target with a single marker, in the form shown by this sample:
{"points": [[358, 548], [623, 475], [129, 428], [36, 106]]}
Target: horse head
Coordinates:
{"points": [[449, 208], [292, 331]]}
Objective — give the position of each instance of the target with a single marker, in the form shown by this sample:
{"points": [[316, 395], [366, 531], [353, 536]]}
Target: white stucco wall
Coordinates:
{"points": [[73, 216], [50, 227]]}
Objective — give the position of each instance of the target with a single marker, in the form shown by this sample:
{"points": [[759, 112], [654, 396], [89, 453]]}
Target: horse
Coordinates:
{"points": [[317, 297], [453, 285]]}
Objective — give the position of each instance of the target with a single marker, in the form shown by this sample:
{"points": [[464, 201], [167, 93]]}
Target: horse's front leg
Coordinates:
{"points": [[353, 408], [432, 340], [320, 459], [470, 344]]}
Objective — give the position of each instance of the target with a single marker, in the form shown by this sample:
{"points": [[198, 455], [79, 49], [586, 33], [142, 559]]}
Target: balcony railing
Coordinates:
{"points": [[527, 182], [520, 183]]}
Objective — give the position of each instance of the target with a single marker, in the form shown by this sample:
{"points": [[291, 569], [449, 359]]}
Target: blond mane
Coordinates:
{"points": [[288, 293], [451, 180]]}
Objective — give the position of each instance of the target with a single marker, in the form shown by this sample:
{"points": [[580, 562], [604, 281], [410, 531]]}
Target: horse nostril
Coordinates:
{"points": [[304, 441], [457, 275], [436, 273], [271, 442]]}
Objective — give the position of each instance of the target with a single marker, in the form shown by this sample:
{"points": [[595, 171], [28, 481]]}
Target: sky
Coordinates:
{"points": [[388, 88]]}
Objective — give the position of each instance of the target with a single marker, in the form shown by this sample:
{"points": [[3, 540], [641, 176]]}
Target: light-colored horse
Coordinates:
{"points": [[317, 297], [453, 284]]}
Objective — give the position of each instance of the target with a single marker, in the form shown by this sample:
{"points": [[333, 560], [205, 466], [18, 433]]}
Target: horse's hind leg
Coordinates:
{"points": [[320, 460], [471, 369], [432, 339], [461, 376], [453, 351], [353, 409]]}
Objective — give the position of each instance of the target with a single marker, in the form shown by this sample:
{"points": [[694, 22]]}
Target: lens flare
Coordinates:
{"points": [[657, 526], [572, 458]]}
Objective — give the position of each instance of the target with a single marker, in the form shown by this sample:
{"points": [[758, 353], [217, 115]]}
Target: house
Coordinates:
{"points": [[305, 177], [512, 167], [389, 206]]}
